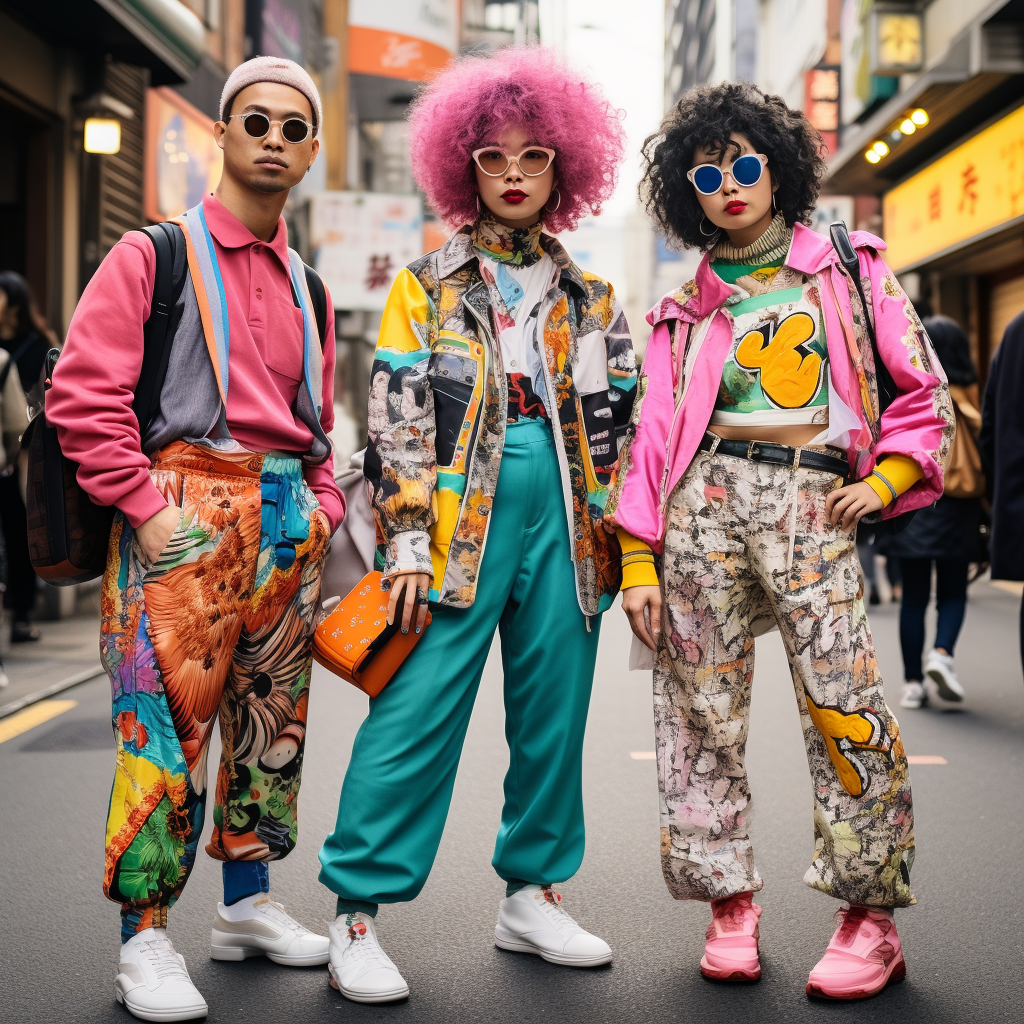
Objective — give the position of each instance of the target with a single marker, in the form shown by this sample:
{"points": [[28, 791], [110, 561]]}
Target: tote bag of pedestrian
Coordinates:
{"points": [[963, 476], [356, 642]]}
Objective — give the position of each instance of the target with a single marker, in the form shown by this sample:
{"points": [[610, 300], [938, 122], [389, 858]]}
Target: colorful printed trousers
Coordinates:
{"points": [[400, 777], [221, 622], [748, 545]]}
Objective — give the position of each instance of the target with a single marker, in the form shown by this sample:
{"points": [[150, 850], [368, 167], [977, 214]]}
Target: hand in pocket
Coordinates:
{"points": [[156, 532]]}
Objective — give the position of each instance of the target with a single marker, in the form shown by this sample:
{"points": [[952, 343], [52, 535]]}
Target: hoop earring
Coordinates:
{"points": [[775, 208], [478, 210], [707, 234], [558, 202]]}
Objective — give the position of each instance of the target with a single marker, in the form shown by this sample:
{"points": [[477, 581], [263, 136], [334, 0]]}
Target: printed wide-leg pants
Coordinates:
{"points": [[747, 543], [220, 623]]}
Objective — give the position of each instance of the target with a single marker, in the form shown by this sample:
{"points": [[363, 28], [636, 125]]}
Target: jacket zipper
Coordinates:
{"points": [[556, 430], [662, 495], [503, 392]]}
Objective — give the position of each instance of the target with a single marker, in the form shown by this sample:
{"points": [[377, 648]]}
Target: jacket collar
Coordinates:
{"points": [[809, 253], [459, 251], [231, 233]]}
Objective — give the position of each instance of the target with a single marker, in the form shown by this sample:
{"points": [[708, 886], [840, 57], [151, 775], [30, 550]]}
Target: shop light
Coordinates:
{"points": [[908, 127], [919, 117], [872, 157], [881, 149], [102, 135]]}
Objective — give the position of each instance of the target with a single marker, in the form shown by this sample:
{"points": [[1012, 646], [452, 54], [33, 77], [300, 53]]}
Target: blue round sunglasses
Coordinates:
{"points": [[745, 170]]}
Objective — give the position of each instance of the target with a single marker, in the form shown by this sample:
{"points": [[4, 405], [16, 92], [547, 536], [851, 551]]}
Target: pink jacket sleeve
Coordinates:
{"points": [[94, 382], [920, 422], [321, 478]]}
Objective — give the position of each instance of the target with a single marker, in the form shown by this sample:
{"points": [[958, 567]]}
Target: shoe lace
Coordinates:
{"points": [[273, 909], [850, 920], [551, 906], [164, 959], [363, 946], [731, 914]]}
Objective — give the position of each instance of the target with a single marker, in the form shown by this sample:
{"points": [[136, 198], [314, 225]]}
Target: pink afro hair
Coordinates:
{"points": [[528, 87]]}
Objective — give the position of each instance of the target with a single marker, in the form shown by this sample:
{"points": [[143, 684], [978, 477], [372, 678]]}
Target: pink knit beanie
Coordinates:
{"points": [[271, 69]]}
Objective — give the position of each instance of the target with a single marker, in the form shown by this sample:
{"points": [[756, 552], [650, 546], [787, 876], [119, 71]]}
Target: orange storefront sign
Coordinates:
{"points": [[408, 39], [973, 189]]}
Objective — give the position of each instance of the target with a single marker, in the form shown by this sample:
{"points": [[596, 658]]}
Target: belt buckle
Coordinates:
{"points": [[796, 458], [752, 450]]}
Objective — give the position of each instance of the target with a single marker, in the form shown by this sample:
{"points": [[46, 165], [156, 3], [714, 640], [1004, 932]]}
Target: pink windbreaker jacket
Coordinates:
{"points": [[662, 438]]}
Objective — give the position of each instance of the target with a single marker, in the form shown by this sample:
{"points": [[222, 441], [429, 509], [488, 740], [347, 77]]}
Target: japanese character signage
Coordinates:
{"points": [[410, 39], [360, 241], [974, 188]]}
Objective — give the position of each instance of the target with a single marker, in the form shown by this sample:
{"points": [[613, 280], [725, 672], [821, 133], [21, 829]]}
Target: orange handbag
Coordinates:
{"points": [[356, 642]]}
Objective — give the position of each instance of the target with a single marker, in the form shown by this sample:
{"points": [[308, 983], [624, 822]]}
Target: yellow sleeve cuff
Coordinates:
{"points": [[901, 473], [637, 562]]}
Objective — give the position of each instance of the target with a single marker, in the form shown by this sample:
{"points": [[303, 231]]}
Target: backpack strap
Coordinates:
{"points": [[851, 264], [158, 332], [318, 298]]}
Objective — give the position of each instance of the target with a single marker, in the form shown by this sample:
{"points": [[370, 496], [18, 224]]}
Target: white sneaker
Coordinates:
{"points": [[360, 970], [533, 920], [939, 669], [152, 981], [914, 695], [259, 926]]}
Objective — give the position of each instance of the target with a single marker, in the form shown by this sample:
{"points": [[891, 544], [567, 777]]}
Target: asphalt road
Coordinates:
{"points": [[963, 942]]}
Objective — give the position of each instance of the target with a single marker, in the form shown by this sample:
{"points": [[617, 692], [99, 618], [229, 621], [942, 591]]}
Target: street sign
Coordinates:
{"points": [[360, 241]]}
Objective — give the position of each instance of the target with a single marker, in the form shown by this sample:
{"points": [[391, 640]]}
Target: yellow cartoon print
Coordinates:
{"points": [[790, 370]]}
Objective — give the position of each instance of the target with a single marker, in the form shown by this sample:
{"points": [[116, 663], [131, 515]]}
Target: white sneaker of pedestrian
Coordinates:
{"points": [[360, 970], [914, 695], [533, 920], [152, 981], [259, 926], [939, 669]]}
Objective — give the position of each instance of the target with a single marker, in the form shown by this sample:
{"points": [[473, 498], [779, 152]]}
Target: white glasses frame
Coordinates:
{"points": [[271, 123], [513, 158], [691, 173]]}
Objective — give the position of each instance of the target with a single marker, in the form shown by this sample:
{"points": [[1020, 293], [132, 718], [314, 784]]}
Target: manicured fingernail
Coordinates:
{"points": [[405, 629], [417, 629]]}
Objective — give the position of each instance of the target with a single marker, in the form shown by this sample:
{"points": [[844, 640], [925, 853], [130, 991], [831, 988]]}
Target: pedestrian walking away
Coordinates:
{"points": [[225, 506], [26, 337], [503, 376], [947, 535], [1002, 449], [761, 439]]}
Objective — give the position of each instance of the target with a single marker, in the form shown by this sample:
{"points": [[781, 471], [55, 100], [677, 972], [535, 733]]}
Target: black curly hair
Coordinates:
{"points": [[706, 116]]}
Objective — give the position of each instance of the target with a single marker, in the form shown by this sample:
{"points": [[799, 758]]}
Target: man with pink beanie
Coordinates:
{"points": [[226, 502]]}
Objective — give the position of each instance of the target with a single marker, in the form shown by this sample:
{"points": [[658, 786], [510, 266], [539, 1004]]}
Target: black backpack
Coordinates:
{"points": [[68, 532]]}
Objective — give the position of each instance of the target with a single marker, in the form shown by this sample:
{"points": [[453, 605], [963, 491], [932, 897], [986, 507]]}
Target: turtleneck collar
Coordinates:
{"points": [[518, 246], [772, 245]]}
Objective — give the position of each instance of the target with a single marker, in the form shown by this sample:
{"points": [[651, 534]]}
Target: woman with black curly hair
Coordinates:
{"points": [[755, 446]]}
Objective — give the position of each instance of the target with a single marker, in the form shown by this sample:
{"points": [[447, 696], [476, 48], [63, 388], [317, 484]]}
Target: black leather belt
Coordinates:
{"points": [[776, 454]]}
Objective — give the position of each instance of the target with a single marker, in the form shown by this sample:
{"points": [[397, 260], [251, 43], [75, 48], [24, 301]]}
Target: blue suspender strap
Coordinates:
{"points": [[312, 357]]}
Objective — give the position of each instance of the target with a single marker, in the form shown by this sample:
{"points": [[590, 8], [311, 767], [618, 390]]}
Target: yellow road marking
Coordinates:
{"points": [[642, 755], [925, 759], [32, 716]]}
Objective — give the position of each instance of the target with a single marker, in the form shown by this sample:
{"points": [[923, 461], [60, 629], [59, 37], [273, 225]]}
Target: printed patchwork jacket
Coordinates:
{"points": [[663, 435], [438, 408]]}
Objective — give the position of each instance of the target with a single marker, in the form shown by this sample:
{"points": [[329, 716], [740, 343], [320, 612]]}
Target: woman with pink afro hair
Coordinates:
{"points": [[503, 379], [532, 88]]}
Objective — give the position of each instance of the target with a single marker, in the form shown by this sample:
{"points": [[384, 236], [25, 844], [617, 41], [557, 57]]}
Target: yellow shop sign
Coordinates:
{"points": [[976, 187]]}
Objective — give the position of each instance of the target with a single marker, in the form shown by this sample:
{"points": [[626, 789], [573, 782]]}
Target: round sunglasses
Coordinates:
{"points": [[746, 170], [293, 129], [494, 161]]}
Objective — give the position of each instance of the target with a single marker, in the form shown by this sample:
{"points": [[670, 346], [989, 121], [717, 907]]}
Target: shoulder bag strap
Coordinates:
{"points": [[318, 298], [851, 264]]}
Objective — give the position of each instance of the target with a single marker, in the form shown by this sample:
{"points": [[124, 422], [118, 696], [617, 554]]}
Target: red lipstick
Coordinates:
{"points": [[513, 195], [736, 206]]}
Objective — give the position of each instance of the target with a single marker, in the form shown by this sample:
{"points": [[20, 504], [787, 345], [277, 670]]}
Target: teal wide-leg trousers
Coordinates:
{"points": [[399, 782]]}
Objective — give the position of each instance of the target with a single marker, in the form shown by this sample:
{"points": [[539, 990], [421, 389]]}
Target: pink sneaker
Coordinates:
{"points": [[730, 953], [862, 958]]}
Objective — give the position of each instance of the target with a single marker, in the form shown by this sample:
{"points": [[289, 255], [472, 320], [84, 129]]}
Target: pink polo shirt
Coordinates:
{"points": [[96, 376]]}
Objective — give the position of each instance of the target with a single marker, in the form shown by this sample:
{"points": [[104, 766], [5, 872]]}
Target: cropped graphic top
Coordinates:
{"points": [[776, 373]]}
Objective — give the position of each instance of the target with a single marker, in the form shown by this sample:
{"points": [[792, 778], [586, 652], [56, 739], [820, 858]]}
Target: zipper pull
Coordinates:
{"points": [[588, 624]]}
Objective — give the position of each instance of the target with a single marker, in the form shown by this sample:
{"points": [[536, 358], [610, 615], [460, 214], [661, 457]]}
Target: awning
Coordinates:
{"points": [[162, 35]]}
